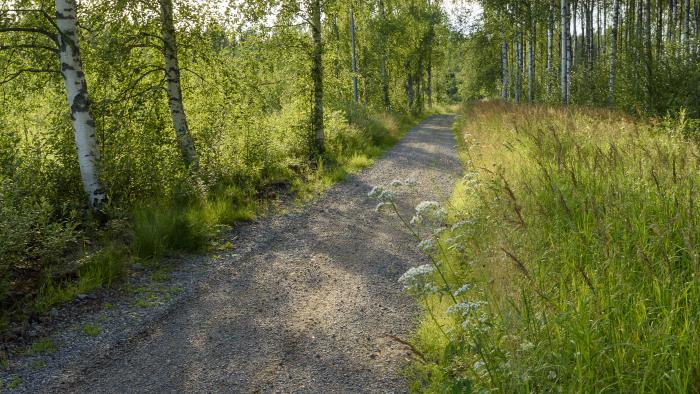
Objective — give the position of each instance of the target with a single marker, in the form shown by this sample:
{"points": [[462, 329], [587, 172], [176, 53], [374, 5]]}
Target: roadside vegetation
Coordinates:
{"points": [[134, 130], [571, 261]]}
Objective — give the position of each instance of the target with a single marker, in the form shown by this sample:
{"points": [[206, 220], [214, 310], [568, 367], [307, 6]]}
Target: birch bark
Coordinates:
{"points": [[172, 74], [79, 101]]}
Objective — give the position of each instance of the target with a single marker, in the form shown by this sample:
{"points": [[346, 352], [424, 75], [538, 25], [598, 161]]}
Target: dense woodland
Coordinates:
{"points": [[132, 129]]}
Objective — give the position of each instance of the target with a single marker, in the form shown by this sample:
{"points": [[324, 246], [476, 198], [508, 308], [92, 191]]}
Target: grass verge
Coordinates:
{"points": [[573, 257]]}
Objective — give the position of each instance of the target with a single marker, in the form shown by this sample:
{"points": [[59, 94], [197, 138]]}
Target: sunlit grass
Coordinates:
{"points": [[584, 246]]}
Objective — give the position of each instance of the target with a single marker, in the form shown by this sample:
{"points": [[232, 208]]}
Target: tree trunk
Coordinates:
{"points": [[382, 58], [429, 86], [172, 74], [686, 27], [79, 101], [519, 65], [317, 77], [504, 68], [659, 28], [613, 51], [550, 42], [574, 47], [564, 52], [409, 90], [531, 64], [355, 96], [647, 52]]}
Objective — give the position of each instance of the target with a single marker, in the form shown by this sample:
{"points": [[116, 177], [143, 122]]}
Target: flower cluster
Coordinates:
{"points": [[427, 246], [463, 309], [418, 280], [379, 193], [462, 290], [429, 211], [404, 182]]}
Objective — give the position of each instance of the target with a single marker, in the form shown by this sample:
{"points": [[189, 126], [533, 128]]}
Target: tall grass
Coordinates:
{"points": [[582, 241]]}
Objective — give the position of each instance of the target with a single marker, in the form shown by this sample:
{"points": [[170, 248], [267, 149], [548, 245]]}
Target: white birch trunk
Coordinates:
{"points": [[564, 52], [686, 27], [613, 51], [531, 65], [172, 74], [504, 69], [78, 101], [355, 96]]}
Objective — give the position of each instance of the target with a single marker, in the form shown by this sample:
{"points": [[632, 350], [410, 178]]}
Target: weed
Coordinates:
{"points": [[92, 330], [15, 381], [43, 345], [38, 364]]}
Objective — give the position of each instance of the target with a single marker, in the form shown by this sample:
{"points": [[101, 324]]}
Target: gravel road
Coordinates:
{"points": [[305, 303]]}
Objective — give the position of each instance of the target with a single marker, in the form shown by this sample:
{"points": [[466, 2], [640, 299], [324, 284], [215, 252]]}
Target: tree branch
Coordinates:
{"points": [[36, 30], [28, 46], [26, 70]]}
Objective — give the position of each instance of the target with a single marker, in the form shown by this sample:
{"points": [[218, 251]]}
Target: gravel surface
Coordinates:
{"points": [[304, 303]]}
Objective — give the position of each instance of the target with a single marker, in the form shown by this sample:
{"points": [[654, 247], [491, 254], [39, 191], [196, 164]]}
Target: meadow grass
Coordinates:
{"points": [[582, 248]]}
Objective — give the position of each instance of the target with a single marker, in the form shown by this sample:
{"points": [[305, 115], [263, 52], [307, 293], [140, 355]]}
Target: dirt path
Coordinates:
{"points": [[304, 305]]}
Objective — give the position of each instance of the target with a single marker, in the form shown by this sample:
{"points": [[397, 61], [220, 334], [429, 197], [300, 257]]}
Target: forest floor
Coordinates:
{"points": [[304, 302]]}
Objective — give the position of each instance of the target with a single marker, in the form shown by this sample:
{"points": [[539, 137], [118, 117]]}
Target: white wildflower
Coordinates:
{"points": [[439, 230], [410, 182], [462, 290], [427, 245], [478, 365], [382, 206], [386, 196], [462, 223], [471, 175], [463, 309], [375, 192], [552, 375], [416, 220], [526, 346], [419, 279], [427, 207]]}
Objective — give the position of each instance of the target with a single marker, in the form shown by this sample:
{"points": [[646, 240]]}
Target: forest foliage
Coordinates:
{"points": [[185, 117]]}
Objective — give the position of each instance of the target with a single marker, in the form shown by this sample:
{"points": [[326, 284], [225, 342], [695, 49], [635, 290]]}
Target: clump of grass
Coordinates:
{"points": [[92, 330], [581, 240], [42, 345]]}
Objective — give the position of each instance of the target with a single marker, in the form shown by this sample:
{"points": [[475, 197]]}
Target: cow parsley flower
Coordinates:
{"points": [[375, 192], [382, 206], [416, 220], [463, 309], [427, 246], [462, 290], [410, 182], [427, 207], [419, 279]]}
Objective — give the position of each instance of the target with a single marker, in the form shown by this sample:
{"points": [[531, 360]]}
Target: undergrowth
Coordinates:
{"points": [[46, 262], [571, 263]]}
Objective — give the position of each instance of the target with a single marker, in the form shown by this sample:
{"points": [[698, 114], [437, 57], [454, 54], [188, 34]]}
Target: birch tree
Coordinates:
{"points": [[78, 101], [317, 76], [564, 51], [172, 74], [613, 51], [355, 96]]}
